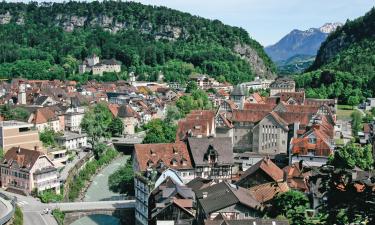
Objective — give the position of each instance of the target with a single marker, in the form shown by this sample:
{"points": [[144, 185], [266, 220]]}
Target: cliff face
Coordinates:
{"points": [[252, 57]]}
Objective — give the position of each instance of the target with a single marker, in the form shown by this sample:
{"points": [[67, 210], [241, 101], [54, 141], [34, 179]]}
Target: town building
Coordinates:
{"points": [[45, 118], [16, 133], [98, 67], [144, 183], [204, 81], [73, 116], [171, 202], [369, 104], [227, 200], [24, 170], [262, 172], [71, 140], [58, 156], [198, 123], [316, 144], [282, 84], [212, 157], [257, 84]]}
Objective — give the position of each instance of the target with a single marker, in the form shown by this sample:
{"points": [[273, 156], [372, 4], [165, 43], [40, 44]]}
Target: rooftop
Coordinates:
{"points": [[14, 123]]}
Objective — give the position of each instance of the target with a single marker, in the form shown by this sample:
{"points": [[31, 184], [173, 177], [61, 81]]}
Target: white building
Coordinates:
{"points": [[257, 84], [97, 67], [144, 185], [72, 140]]}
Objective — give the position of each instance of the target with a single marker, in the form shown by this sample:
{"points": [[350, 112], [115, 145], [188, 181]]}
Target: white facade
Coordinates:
{"points": [[143, 188], [72, 140], [54, 125]]}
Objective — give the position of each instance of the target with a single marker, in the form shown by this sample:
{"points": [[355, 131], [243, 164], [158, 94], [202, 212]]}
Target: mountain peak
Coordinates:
{"points": [[330, 27]]}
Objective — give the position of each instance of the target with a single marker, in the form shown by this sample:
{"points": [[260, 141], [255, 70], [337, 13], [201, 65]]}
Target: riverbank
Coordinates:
{"points": [[81, 181], [99, 188]]}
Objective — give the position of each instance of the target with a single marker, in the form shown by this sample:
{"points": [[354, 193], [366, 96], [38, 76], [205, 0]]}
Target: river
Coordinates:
{"points": [[99, 191]]}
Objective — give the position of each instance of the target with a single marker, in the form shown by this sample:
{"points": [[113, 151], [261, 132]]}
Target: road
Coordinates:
{"points": [[32, 210], [65, 172]]}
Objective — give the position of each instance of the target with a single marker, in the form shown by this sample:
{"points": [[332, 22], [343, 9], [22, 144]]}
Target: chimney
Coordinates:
{"points": [[204, 194], [36, 148]]}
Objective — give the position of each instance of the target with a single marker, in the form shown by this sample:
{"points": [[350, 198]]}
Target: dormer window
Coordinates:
{"points": [[211, 155], [175, 151], [161, 163], [152, 152], [183, 161], [174, 162], [312, 140], [150, 163]]}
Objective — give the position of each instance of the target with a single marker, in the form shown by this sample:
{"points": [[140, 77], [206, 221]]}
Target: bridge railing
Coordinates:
{"points": [[10, 214]]}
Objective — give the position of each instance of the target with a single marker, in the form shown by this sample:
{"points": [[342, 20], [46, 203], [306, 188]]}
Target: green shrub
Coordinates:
{"points": [[90, 170], [59, 216], [50, 196], [18, 216]]}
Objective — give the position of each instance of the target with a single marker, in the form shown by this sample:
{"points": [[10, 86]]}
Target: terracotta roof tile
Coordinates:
{"points": [[173, 155], [266, 192]]}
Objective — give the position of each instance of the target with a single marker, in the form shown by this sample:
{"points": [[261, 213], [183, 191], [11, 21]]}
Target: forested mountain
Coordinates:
{"points": [[47, 41], [295, 64], [345, 64]]}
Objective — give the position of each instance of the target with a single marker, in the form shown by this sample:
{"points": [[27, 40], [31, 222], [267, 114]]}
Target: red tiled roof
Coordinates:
{"points": [[113, 108], [267, 166], [299, 97], [266, 192], [259, 106], [248, 115], [44, 115], [150, 155], [25, 158]]}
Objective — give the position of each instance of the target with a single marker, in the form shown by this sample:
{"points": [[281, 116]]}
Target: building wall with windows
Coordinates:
{"points": [[269, 137]]}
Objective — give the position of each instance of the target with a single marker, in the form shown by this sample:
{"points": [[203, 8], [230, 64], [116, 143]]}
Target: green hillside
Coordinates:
{"points": [[345, 64], [47, 41]]}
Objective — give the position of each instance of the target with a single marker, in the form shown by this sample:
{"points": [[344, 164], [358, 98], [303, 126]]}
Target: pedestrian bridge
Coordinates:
{"points": [[122, 209]]}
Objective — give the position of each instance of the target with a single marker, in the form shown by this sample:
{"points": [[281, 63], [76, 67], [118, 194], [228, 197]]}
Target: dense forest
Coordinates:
{"points": [[345, 64], [49, 40]]}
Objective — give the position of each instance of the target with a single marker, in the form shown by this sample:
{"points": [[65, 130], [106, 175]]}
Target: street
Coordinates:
{"points": [[32, 210]]}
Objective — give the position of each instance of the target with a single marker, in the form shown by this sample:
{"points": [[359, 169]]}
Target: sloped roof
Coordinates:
{"points": [[223, 195], [149, 155], [125, 111], [199, 183], [198, 148], [248, 115], [44, 115], [266, 192], [24, 158], [267, 166]]}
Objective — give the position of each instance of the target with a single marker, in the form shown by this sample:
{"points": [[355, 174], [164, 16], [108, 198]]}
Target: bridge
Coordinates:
{"points": [[122, 209], [126, 144]]}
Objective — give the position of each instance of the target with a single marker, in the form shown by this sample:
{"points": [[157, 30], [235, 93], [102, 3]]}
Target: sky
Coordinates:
{"points": [[267, 21]]}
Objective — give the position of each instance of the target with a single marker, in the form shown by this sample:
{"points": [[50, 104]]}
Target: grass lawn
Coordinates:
{"points": [[344, 112]]}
